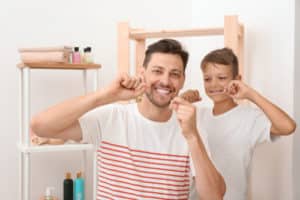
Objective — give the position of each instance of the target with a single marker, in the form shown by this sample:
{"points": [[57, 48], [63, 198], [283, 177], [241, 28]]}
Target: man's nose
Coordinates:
{"points": [[165, 79]]}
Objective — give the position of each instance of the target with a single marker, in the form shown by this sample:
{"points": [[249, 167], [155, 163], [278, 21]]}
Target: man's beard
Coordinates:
{"points": [[152, 100]]}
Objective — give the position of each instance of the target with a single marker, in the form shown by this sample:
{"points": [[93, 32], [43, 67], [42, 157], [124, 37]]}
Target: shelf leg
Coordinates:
{"points": [[96, 79], [26, 105], [27, 176], [85, 83]]}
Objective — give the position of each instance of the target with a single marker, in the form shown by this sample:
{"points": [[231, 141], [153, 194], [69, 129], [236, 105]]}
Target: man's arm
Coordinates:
{"points": [[282, 123], [209, 183], [61, 120]]}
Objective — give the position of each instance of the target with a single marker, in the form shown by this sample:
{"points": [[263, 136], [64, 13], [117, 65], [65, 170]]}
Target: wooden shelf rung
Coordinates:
{"points": [[138, 35]]}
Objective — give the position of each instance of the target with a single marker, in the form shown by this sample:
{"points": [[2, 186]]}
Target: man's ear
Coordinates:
{"points": [[238, 77], [141, 71]]}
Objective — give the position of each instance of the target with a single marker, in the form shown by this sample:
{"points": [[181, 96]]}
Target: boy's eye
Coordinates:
{"points": [[206, 79], [222, 77]]}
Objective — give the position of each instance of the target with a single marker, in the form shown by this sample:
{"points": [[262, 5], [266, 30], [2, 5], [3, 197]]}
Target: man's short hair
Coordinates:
{"points": [[169, 46]]}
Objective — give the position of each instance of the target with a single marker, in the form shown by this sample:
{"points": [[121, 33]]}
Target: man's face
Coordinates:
{"points": [[164, 77], [216, 78]]}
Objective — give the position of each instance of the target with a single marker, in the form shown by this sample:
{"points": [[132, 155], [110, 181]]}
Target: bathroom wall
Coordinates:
{"points": [[269, 64]]}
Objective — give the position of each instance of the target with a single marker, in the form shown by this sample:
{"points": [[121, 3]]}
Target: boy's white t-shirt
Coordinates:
{"points": [[232, 137], [138, 158]]}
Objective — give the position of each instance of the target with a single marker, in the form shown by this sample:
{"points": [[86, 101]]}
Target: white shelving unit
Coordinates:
{"points": [[24, 146]]}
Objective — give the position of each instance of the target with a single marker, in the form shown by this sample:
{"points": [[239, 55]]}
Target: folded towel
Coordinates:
{"points": [[46, 49], [55, 56]]}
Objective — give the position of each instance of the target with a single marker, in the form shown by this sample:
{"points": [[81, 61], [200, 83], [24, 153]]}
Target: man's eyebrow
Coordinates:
{"points": [[157, 66], [176, 70]]}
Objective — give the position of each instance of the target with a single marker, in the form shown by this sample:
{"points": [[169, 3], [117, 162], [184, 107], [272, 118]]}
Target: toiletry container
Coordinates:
{"points": [[49, 194], [68, 187], [79, 187], [87, 56], [76, 56]]}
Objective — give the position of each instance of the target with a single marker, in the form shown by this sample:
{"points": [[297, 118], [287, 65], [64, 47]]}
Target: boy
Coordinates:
{"points": [[234, 130]]}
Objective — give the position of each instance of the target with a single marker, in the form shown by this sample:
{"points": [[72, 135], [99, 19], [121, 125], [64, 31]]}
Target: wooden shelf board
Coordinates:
{"points": [[54, 148], [59, 66]]}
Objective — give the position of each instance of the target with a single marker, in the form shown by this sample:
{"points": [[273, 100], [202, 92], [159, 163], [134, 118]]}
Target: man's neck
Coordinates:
{"points": [[153, 112], [224, 106]]}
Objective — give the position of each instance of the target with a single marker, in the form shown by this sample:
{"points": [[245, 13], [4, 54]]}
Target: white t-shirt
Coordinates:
{"points": [[232, 137], [138, 158]]}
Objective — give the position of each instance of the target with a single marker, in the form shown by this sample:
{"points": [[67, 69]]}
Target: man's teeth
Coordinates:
{"points": [[163, 91]]}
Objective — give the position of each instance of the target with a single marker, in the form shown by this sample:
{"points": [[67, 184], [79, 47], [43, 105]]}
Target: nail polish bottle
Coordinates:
{"points": [[76, 56]]}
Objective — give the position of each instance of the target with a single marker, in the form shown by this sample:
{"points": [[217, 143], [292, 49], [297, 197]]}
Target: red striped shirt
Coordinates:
{"points": [[126, 173]]}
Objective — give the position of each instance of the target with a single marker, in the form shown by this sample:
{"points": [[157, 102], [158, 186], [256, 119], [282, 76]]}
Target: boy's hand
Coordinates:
{"points": [[191, 96], [238, 90], [186, 115], [125, 87]]}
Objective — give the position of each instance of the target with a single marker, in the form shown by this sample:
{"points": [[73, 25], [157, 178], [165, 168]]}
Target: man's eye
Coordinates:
{"points": [[156, 71], [206, 79], [176, 75], [223, 77]]}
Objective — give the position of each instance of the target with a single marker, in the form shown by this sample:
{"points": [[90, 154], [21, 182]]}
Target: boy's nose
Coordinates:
{"points": [[214, 82]]}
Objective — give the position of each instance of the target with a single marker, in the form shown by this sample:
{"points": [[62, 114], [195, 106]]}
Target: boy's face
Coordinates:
{"points": [[216, 77], [164, 77]]}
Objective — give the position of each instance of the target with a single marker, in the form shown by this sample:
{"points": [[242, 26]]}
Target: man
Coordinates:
{"points": [[149, 150]]}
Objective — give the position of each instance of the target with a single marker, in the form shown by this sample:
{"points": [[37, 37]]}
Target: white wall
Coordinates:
{"points": [[269, 62], [296, 144], [47, 23], [269, 38]]}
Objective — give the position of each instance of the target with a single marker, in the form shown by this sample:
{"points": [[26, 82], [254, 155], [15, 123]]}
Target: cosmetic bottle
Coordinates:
{"points": [[49, 194], [76, 56], [79, 187], [87, 55], [68, 187]]}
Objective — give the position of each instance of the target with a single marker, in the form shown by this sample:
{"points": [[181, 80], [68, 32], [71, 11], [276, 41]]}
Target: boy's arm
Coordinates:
{"points": [[61, 120], [282, 123], [209, 183]]}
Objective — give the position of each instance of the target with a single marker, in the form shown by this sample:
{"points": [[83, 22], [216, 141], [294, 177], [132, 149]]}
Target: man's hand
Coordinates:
{"points": [[186, 115], [191, 96], [126, 87]]}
